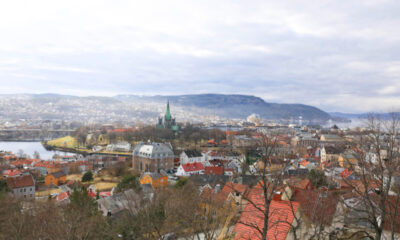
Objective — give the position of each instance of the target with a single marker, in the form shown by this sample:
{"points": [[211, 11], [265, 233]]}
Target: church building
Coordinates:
{"points": [[168, 121]]}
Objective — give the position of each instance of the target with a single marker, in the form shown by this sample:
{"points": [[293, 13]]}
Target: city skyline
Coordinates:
{"points": [[334, 56]]}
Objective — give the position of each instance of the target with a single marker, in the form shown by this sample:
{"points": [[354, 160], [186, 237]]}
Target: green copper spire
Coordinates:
{"points": [[168, 113]]}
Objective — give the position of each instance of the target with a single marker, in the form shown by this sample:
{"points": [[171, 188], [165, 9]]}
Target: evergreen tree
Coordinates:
{"points": [[87, 177]]}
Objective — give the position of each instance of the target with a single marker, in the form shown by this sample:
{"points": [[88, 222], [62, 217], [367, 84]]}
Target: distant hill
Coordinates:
{"points": [[237, 106]]}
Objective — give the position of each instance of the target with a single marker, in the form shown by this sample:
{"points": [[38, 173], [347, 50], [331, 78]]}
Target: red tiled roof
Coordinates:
{"points": [[62, 196], [22, 162], [304, 163], [120, 130], [105, 194], [280, 217], [19, 182], [346, 173], [193, 167], [12, 172], [214, 170], [49, 164], [91, 194]]}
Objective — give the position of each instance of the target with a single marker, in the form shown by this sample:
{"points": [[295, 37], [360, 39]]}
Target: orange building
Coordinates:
{"points": [[155, 179], [55, 178]]}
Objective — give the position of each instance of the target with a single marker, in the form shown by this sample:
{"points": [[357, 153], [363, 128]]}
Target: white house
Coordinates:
{"points": [[188, 169], [236, 165], [22, 186], [191, 156], [119, 147]]}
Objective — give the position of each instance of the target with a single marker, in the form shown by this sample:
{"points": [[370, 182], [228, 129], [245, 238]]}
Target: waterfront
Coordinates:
{"points": [[29, 148]]}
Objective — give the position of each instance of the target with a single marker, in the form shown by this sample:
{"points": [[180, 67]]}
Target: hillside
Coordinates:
{"points": [[237, 106], [132, 108]]}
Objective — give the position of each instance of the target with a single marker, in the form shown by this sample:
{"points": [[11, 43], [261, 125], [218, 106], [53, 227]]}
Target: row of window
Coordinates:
{"points": [[24, 189], [155, 155]]}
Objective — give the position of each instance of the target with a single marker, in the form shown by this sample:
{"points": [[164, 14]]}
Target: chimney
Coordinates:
{"points": [[217, 188]]}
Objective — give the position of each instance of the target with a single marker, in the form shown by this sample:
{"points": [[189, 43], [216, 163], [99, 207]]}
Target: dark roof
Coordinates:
{"points": [[152, 175], [58, 174], [212, 180], [332, 150], [193, 153], [232, 153], [299, 171], [19, 182], [249, 180]]}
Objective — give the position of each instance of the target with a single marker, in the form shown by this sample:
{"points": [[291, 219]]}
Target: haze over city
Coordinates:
{"points": [[337, 56]]}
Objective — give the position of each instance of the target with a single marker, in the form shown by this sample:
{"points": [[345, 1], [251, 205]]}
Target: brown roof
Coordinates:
{"points": [[235, 187], [19, 182], [210, 196], [299, 183], [318, 206]]}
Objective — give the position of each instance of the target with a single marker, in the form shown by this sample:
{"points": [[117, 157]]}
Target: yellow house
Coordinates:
{"points": [[217, 204], [55, 178], [271, 165], [331, 138], [155, 179], [347, 160]]}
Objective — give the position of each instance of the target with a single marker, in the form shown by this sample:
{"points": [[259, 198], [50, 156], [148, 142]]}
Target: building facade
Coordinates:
{"points": [[191, 156], [153, 157], [22, 186]]}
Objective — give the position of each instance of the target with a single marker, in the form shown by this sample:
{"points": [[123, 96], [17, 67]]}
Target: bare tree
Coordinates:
{"points": [[377, 165], [262, 213]]}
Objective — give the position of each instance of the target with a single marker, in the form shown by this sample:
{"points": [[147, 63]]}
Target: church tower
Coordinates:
{"points": [[168, 121]]}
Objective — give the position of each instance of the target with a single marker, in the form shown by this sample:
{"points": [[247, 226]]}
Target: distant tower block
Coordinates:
{"points": [[300, 121]]}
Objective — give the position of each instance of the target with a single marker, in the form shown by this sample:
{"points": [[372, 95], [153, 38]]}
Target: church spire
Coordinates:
{"points": [[168, 113]]}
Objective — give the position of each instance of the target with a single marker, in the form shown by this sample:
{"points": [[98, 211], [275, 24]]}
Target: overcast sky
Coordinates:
{"points": [[335, 55]]}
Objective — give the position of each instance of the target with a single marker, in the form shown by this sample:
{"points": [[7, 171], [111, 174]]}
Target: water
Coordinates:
{"points": [[356, 122], [29, 148]]}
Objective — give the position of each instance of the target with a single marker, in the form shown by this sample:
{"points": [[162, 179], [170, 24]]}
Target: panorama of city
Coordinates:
{"points": [[200, 120]]}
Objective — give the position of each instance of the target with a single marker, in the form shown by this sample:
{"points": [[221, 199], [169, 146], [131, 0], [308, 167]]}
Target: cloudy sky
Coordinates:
{"points": [[336, 55]]}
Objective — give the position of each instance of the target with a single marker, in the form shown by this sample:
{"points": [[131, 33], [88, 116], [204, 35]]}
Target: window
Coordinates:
{"points": [[20, 190], [24, 189]]}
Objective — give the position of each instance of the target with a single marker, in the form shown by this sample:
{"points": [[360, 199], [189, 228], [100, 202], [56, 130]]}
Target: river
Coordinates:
{"points": [[29, 148]]}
